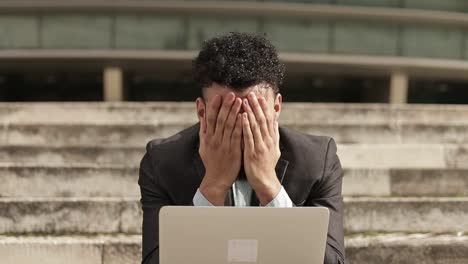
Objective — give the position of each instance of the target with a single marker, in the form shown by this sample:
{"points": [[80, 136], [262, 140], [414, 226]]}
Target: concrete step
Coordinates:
{"points": [[70, 215], [162, 112], [91, 180], [422, 156], [375, 156], [407, 249], [130, 156], [126, 249], [95, 112], [129, 123], [396, 214], [138, 134], [72, 180], [87, 134], [90, 249], [117, 215], [405, 182]]}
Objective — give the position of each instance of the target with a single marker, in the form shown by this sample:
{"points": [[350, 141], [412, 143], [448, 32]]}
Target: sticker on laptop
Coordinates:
{"points": [[242, 250]]}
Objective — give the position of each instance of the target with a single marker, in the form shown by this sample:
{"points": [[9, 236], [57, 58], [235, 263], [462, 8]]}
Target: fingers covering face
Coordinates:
{"points": [[230, 124], [247, 133], [223, 115], [255, 125], [237, 133], [259, 114], [270, 122], [225, 123], [212, 114]]}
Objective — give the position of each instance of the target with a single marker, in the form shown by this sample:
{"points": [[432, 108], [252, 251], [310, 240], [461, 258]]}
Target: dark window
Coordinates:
{"points": [[437, 92], [160, 86], [51, 86], [325, 88]]}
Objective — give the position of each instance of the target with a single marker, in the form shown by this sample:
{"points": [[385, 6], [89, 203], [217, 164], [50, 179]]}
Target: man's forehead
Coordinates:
{"points": [[261, 89]]}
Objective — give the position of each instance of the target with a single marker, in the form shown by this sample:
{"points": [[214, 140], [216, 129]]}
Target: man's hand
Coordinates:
{"points": [[220, 147], [261, 151]]}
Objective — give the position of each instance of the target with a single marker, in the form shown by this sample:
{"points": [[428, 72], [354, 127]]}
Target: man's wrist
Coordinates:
{"points": [[214, 192], [266, 191]]}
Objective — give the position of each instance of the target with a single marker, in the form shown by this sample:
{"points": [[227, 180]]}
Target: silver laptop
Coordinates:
{"points": [[217, 235]]}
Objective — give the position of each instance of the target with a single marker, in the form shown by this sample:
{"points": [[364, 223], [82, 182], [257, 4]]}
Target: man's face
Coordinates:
{"points": [[260, 90]]}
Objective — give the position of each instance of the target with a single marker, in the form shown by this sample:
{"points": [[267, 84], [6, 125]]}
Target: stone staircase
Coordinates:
{"points": [[69, 193]]}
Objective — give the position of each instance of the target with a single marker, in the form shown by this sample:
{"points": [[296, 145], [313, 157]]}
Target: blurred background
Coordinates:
{"points": [[84, 85]]}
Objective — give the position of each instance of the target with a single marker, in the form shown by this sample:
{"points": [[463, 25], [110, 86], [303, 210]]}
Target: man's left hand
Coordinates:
{"points": [[261, 148]]}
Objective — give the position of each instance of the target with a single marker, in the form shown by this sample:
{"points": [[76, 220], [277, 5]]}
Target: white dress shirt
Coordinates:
{"points": [[242, 193]]}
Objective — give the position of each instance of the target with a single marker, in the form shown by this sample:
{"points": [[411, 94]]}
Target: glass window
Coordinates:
{"points": [[445, 5]]}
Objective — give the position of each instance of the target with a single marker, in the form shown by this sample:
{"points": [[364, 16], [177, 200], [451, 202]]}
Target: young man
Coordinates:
{"points": [[238, 155]]}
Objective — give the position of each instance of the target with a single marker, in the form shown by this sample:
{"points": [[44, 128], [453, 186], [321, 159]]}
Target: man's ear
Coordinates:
{"points": [[201, 109], [277, 105]]}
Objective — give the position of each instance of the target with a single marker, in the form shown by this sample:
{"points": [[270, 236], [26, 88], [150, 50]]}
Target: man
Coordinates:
{"points": [[238, 154]]}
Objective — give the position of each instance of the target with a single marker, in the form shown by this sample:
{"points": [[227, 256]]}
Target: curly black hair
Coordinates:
{"points": [[238, 61]]}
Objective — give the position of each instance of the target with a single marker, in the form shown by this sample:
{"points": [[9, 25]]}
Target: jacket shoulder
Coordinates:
{"points": [[307, 142], [307, 154], [174, 146]]}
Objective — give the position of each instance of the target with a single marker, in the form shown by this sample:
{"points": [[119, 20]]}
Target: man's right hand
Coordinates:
{"points": [[220, 146]]}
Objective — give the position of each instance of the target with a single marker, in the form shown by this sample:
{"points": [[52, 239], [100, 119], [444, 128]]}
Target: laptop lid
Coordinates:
{"points": [[222, 235]]}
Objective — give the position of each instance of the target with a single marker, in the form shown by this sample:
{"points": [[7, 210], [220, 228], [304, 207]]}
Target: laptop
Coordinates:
{"points": [[222, 235]]}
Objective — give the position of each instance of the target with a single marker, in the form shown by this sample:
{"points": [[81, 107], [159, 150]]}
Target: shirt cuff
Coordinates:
{"points": [[200, 200], [281, 200]]}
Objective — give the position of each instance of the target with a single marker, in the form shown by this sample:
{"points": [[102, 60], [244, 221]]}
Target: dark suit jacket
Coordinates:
{"points": [[309, 169]]}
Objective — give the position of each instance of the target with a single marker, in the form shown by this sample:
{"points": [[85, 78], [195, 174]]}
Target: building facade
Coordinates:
{"points": [[395, 51]]}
